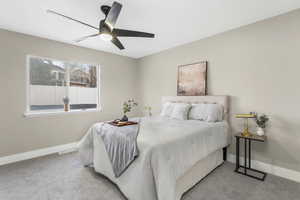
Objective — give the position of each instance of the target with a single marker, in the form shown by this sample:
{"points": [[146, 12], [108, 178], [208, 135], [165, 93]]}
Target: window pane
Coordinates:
{"points": [[83, 86], [50, 81], [83, 76], [47, 72], [47, 84]]}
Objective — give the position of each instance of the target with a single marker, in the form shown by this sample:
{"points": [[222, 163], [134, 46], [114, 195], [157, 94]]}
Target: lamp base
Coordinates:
{"points": [[246, 133]]}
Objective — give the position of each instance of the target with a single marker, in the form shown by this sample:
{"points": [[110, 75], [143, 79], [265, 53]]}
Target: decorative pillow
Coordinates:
{"points": [[206, 112], [181, 111], [198, 112], [167, 109]]}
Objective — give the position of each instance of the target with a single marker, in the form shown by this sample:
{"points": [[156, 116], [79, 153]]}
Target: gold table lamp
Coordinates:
{"points": [[246, 132]]}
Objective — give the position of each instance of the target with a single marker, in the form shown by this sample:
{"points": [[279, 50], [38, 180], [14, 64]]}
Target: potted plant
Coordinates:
{"points": [[261, 122], [66, 101], [127, 106]]}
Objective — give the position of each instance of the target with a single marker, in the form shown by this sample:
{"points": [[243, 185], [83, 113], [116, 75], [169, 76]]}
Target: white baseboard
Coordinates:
{"points": [[61, 149], [71, 147], [271, 169]]}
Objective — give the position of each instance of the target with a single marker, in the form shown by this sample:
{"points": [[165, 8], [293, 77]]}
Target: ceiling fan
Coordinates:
{"points": [[106, 29]]}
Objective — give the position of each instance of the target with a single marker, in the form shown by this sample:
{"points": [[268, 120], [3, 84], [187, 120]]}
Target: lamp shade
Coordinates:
{"points": [[245, 116]]}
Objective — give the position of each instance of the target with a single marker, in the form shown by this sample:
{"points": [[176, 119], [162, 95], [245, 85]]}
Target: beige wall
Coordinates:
{"points": [[257, 65], [19, 134]]}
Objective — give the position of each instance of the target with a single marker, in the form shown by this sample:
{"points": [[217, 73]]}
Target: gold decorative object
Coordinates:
{"points": [[246, 132], [66, 107], [66, 101]]}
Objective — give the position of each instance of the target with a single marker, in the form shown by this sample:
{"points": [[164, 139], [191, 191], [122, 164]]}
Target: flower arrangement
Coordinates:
{"points": [[148, 110], [127, 106], [261, 120]]}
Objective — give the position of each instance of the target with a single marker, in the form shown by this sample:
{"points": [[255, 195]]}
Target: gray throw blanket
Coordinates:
{"points": [[120, 144]]}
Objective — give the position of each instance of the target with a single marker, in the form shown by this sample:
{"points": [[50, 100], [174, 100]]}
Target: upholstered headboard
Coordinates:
{"points": [[223, 100]]}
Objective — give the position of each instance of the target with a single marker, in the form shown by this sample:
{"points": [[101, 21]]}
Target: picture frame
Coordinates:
{"points": [[192, 79]]}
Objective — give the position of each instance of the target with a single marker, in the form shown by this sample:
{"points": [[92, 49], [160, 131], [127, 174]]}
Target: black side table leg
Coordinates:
{"points": [[249, 158], [237, 152], [245, 157]]}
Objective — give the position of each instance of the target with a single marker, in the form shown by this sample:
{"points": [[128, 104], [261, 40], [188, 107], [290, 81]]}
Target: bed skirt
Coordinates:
{"points": [[199, 171]]}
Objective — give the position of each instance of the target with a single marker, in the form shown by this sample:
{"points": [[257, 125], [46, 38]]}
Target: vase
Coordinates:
{"points": [[66, 107], [260, 131], [124, 118]]}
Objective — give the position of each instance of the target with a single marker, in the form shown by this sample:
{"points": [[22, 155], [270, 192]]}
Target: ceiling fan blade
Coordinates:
{"points": [[113, 15], [69, 18], [128, 33], [117, 42], [85, 37]]}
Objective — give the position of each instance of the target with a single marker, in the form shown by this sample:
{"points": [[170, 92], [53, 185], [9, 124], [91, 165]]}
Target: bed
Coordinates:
{"points": [[174, 154]]}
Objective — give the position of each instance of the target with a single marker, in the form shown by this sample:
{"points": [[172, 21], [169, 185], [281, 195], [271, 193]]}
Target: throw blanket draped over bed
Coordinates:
{"points": [[168, 149], [120, 144]]}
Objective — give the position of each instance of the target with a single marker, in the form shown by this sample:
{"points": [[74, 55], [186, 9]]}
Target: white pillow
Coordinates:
{"points": [[206, 112], [181, 111], [167, 109], [198, 112]]}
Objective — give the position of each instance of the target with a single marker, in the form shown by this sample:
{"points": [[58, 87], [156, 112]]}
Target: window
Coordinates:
{"points": [[57, 86]]}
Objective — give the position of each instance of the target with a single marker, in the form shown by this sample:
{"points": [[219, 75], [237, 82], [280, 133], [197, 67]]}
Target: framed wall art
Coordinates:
{"points": [[192, 79]]}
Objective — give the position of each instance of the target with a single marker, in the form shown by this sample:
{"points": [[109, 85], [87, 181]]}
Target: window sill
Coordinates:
{"points": [[42, 114]]}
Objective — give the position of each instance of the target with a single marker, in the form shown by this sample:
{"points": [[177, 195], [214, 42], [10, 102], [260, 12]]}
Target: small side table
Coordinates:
{"points": [[243, 169]]}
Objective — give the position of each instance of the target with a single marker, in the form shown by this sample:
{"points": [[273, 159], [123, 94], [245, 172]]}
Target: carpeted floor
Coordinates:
{"points": [[64, 178]]}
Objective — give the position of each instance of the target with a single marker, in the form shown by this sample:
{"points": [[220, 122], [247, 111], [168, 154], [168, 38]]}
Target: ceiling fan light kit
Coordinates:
{"points": [[106, 29], [106, 36]]}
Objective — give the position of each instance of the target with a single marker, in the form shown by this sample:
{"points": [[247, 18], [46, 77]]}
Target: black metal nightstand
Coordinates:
{"points": [[243, 169]]}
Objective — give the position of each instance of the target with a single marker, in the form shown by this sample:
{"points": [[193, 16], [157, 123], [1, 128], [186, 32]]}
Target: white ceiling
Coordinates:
{"points": [[174, 22]]}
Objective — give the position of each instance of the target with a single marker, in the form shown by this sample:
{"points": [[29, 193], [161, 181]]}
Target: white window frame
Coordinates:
{"points": [[29, 113]]}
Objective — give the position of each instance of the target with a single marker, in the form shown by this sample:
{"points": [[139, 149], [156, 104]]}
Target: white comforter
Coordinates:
{"points": [[168, 149]]}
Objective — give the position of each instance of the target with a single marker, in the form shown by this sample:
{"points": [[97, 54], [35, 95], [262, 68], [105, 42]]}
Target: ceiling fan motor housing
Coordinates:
{"points": [[103, 28]]}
